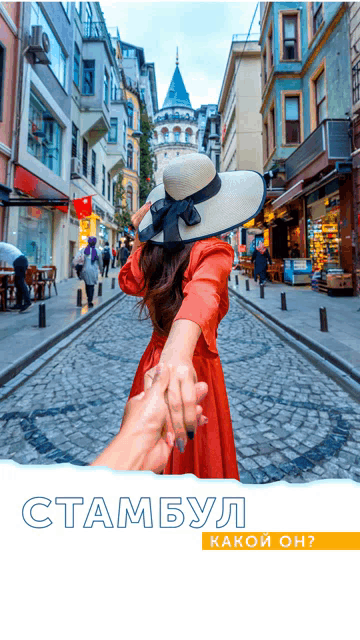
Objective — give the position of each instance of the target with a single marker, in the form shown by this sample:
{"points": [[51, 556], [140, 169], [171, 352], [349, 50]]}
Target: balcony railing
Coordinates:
{"points": [[173, 117], [241, 37], [331, 135], [97, 31], [356, 82]]}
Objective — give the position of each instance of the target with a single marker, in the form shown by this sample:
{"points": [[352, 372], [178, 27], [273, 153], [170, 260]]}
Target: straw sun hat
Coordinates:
{"points": [[195, 202]]}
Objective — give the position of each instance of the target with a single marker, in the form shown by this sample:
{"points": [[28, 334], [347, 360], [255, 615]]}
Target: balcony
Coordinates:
{"points": [[97, 32], [171, 143], [174, 118], [329, 143]]}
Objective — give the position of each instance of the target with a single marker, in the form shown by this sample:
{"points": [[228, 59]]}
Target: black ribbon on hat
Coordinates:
{"points": [[167, 211]]}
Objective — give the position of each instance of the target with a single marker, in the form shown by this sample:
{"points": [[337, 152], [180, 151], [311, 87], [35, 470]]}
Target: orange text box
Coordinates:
{"points": [[281, 541]]}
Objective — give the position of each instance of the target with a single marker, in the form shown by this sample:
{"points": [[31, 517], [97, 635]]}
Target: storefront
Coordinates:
{"points": [[323, 226], [35, 234]]}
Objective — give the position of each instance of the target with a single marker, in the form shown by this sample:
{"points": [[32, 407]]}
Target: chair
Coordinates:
{"points": [[11, 288], [52, 277], [33, 281]]}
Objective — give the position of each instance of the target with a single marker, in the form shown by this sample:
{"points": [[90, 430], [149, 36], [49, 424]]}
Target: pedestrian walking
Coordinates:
{"points": [[124, 254], [14, 257], [113, 252], [180, 271], [106, 256], [261, 257], [92, 263]]}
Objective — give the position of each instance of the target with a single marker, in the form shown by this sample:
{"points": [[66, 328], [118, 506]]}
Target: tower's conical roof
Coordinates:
{"points": [[177, 96]]}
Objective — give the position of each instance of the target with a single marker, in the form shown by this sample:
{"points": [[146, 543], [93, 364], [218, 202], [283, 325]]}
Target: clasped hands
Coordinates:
{"points": [[167, 411]]}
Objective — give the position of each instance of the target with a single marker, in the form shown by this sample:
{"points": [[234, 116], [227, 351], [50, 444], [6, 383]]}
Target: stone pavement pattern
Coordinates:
{"points": [[291, 421]]}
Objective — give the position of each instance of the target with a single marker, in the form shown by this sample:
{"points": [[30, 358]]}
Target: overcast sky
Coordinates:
{"points": [[202, 30]]}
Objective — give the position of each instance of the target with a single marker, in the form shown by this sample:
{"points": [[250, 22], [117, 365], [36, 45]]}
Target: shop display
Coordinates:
{"points": [[323, 235]]}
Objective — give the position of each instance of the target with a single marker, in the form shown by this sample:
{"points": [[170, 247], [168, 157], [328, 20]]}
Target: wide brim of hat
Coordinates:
{"points": [[241, 198]]}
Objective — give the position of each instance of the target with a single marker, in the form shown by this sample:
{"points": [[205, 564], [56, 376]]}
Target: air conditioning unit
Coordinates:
{"points": [[39, 44], [76, 168]]}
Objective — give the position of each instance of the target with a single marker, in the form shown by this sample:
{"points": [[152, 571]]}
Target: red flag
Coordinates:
{"points": [[83, 207]]}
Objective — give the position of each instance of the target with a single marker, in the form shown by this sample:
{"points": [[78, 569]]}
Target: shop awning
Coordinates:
{"points": [[290, 194], [42, 193]]}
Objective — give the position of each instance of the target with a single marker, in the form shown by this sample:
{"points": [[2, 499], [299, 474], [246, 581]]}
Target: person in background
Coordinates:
{"points": [[144, 442], [113, 251], [295, 253], [124, 254], [90, 270], [14, 257], [261, 257], [106, 256]]}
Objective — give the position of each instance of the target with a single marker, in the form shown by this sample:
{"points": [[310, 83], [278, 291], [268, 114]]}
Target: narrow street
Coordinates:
{"points": [[291, 421]]}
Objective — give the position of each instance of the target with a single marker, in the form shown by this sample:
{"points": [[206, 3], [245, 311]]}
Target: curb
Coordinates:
{"points": [[15, 369], [325, 353]]}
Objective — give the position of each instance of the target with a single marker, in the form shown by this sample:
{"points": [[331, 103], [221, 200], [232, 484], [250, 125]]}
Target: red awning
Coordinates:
{"points": [[290, 194], [36, 188]]}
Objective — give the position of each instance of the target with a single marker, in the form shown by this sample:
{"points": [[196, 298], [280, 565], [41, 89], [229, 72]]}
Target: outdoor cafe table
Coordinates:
{"points": [[4, 277]]}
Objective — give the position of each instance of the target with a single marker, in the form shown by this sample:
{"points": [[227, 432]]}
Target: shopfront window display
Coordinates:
{"points": [[323, 232], [35, 235]]}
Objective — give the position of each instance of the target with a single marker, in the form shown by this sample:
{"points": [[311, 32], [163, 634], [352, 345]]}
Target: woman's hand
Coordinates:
{"points": [[180, 398], [139, 215], [144, 442]]}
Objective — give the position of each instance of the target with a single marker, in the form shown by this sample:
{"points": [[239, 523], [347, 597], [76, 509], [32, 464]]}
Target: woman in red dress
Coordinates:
{"points": [[181, 278]]}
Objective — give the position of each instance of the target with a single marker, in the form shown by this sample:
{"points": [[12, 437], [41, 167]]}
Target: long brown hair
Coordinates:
{"points": [[163, 272]]}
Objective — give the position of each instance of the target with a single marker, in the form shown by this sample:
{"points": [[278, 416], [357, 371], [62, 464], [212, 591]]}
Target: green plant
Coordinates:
{"points": [[147, 157], [122, 214]]}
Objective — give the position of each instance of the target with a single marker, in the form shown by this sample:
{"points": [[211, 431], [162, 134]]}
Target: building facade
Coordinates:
{"points": [[354, 26], [68, 142], [306, 131], [10, 13], [239, 107], [176, 126]]}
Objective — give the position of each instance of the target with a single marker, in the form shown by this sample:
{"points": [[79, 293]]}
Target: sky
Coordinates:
{"points": [[202, 30]]}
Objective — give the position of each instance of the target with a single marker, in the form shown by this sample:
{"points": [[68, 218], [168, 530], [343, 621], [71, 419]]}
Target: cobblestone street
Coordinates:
{"points": [[291, 421]]}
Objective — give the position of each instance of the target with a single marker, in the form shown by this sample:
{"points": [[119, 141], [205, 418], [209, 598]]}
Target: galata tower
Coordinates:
{"points": [[176, 125]]}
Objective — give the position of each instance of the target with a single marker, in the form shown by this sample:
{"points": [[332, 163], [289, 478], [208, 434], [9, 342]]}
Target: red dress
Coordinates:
{"points": [[212, 452]]}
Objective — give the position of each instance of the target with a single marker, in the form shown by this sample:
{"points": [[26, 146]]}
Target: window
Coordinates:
{"points": [[44, 135], [292, 120], [188, 134], [129, 156], [290, 43], [177, 115], [2, 77], [108, 186], [106, 87], [78, 8], [266, 140], [76, 65], [217, 162], [57, 56], [124, 134], [320, 98], [272, 128], [271, 48], [113, 193], [142, 95], [130, 114], [88, 77], [74, 141], [165, 154], [177, 135], [113, 133], [103, 186], [317, 16], [85, 158], [129, 197], [264, 67], [88, 14], [93, 167]]}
